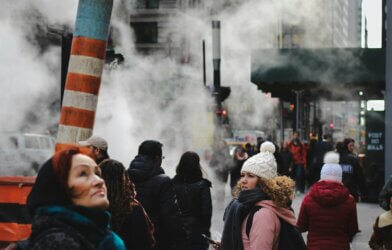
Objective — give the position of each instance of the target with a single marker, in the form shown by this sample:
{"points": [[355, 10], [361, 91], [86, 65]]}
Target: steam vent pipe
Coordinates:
{"points": [[216, 52], [85, 68]]}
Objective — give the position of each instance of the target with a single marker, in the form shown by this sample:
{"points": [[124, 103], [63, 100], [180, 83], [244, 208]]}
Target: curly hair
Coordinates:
{"points": [[121, 191], [280, 189]]}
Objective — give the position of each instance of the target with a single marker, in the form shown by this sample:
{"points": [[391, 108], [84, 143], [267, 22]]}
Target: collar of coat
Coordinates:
{"points": [[385, 219]]}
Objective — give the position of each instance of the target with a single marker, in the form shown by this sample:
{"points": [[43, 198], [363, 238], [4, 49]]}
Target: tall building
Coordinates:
{"points": [[153, 29], [333, 23]]}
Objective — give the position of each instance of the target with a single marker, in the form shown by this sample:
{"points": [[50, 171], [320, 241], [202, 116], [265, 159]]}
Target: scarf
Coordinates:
{"points": [[235, 214], [93, 224]]}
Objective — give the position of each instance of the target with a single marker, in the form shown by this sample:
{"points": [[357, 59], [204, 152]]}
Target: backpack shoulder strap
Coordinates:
{"points": [[249, 222]]}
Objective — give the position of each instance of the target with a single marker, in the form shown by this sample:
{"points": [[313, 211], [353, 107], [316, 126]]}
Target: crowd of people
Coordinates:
{"points": [[83, 199]]}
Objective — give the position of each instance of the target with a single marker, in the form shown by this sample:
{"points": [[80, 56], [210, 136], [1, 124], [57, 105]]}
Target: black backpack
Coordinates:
{"points": [[290, 238]]}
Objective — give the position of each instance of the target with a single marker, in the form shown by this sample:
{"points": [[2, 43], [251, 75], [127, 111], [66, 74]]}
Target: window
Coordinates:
{"points": [[146, 32], [32, 142], [147, 4]]}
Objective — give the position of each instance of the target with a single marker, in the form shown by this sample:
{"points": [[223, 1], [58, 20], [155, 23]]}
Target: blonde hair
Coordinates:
{"points": [[280, 189]]}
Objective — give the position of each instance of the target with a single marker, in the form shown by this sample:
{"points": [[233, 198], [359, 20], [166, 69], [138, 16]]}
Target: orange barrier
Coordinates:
{"points": [[14, 217]]}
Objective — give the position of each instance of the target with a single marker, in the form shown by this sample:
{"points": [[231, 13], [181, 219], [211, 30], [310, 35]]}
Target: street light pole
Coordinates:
{"points": [[216, 59], [388, 96]]}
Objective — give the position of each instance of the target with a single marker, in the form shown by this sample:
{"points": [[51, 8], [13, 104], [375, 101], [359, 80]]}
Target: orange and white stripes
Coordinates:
{"points": [[81, 90], [85, 68]]}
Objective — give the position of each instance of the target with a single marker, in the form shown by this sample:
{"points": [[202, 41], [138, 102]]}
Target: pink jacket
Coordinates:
{"points": [[264, 233]]}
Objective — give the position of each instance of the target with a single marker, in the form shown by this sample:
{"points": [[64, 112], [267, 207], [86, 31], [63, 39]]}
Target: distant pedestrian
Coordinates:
{"points": [[382, 230], [239, 157], [322, 148], [298, 153], [68, 203], [194, 198], [264, 199], [154, 190], [285, 160], [129, 220], [328, 212], [99, 147], [250, 150], [353, 177]]}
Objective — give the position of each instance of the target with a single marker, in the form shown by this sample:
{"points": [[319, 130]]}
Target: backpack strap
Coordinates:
{"points": [[249, 222]]}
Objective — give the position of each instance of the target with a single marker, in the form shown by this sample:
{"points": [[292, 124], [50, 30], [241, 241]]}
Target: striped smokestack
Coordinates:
{"points": [[84, 72]]}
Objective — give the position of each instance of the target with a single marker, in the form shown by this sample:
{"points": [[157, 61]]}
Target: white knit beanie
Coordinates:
{"points": [[263, 164], [331, 169]]}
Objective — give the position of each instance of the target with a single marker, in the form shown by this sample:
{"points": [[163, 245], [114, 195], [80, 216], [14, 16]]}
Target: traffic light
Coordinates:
{"points": [[223, 116], [331, 125], [221, 112], [222, 93]]}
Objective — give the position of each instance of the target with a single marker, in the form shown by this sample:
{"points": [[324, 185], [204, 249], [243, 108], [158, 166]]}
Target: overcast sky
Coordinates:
{"points": [[372, 11]]}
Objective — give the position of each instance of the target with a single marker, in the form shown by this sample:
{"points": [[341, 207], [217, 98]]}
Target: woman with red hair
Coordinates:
{"points": [[68, 203]]}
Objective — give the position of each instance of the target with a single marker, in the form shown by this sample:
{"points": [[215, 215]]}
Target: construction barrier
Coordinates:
{"points": [[14, 217]]}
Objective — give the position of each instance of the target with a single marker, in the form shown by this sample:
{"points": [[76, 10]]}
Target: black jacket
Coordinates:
{"points": [[155, 192], [135, 230], [353, 177], [195, 203]]}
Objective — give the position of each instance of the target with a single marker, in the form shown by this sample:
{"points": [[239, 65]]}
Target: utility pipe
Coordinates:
{"points": [[85, 68]]}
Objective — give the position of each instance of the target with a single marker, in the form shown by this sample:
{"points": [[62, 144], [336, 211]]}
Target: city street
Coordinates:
{"points": [[367, 214]]}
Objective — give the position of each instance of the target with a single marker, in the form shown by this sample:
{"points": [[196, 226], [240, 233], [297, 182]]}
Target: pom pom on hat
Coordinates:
{"points": [[331, 169], [263, 164], [267, 147]]}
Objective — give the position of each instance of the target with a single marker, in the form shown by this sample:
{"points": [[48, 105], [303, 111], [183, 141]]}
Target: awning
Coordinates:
{"points": [[332, 73]]}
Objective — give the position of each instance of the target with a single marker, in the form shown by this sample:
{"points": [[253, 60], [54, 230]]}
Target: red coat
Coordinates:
{"points": [[329, 214], [298, 153]]}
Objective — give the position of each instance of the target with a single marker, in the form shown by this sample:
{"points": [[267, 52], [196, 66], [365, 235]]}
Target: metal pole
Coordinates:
{"points": [[216, 58], [388, 97], [85, 68], [204, 63]]}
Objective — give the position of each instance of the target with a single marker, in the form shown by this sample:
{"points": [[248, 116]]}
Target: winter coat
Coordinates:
{"points": [[285, 162], [155, 192], [194, 199], [298, 152], [75, 227], [136, 229], [264, 233], [353, 177], [382, 235], [235, 213], [328, 212]]}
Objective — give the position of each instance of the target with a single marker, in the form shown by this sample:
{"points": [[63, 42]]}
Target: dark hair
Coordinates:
{"points": [[62, 162], [347, 141], [387, 197], [150, 148], [189, 169], [340, 147], [327, 136], [121, 191]]}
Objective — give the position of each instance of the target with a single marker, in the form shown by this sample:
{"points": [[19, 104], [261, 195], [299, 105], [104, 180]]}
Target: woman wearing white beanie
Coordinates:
{"points": [[262, 197], [328, 212]]}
